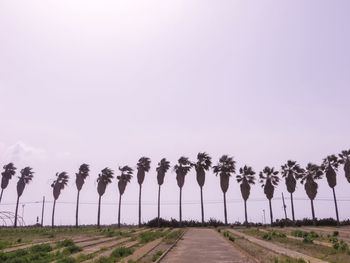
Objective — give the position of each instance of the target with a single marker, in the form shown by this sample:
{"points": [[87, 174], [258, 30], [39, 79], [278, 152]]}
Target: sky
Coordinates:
{"points": [[107, 82]]}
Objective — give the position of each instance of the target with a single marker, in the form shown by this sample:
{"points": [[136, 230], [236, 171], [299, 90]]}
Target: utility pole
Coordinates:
{"points": [[264, 217], [23, 205], [284, 206], [42, 212]]}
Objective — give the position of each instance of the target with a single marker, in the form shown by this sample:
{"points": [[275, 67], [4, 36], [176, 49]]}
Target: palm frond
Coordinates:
{"points": [[203, 161], [144, 164], [26, 174]]}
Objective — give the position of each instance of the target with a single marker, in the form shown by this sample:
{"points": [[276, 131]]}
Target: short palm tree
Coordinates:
{"points": [[245, 178], [103, 179], [330, 167], [344, 158], [9, 171], [202, 165], [225, 168], [123, 180], [79, 182], [311, 173], [163, 167], [269, 180], [182, 169], [57, 186], [143, 166], [291, 171], [23, 180]]}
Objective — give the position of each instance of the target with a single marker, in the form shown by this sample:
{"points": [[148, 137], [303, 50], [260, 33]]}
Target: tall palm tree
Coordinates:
{"points": [[143, 166], [9, 171], [330, 167], [163, 167], [79, 182], [24, 179], [269, 180], [246, 178], [123, 180], [182, 168], [291, 171], [225, 168], [57, 186], [104, 178], [311, 173], [344, 158], [202, 165]]}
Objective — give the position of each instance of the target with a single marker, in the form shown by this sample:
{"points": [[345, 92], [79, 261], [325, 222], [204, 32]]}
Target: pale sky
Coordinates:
{"points": [[106, 82]]}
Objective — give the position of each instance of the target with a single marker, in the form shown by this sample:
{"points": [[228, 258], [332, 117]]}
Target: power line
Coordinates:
{"points": [[175, 202]]}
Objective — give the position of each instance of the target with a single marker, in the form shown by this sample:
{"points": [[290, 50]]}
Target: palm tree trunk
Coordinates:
{"points": [[99, 211], [120, 201], [140, 206], [2, 190], [77, 210], [225, 211], [245, 213], [180, 207], [292, 205], [53, 214], [271, 215], [336, 205], [202, 206], [16, 213], [158, 206], [313, 212]]}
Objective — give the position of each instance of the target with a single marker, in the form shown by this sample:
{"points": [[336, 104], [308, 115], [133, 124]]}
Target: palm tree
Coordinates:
{"points": [[104, 178], [9, 171], [311, 173], [143, 166], [246, 178], [181, 169], [269, 180], [330, 167], [25, 178], [203, 164], [123, 180], [291, 171], [225, 168], [57, 186], [345, 160], [79, 182], [163, 167]]}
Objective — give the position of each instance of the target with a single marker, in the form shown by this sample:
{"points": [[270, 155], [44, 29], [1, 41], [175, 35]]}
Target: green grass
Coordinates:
{"points": [[149, 236], [157, 255], [37, 254]]}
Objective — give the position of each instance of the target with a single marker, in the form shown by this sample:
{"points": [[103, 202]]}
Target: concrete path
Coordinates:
{"points": [[276, 248], [204, 245]]}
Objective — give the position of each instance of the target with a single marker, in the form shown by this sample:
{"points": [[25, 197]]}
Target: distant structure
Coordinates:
{"points": [[7, 219]]}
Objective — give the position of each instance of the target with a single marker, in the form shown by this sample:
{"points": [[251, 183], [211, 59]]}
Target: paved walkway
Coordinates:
{"points": [[204, 245]]}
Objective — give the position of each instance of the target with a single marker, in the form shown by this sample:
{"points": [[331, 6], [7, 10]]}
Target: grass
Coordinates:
{"points": [[308, 248], [157, 255], [116, 255], [149, 236]]}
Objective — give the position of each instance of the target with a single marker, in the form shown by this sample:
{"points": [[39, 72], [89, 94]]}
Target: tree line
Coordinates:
{"points": [[225, 168]]}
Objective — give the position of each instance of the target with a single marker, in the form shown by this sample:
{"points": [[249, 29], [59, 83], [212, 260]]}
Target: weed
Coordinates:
{"points": [[157, 255], [121, 252]]}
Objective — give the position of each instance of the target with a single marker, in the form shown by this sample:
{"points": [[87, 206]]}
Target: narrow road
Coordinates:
{"points": [[204, 245]]}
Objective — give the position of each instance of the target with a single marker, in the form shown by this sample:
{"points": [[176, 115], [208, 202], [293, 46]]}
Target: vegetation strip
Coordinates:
{"points": [[302, 239], [143, 250], [171, 247], [277, 249]]}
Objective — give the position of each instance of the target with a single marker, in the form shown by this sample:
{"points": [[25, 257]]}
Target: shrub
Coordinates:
{"points": [[121, 252], [157, 255]]}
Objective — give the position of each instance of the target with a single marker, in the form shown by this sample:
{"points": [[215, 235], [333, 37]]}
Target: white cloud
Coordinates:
{"points": [[20, 152]]}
